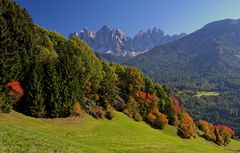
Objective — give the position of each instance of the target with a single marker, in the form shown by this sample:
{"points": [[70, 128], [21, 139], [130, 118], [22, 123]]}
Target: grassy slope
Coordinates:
{"points": [[19, 133]]}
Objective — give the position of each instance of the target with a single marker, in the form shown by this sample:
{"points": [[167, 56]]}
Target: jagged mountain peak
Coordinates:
{"points": [[115, 41], [156, 29], [150, 31], [85, 28], [105, 28]]}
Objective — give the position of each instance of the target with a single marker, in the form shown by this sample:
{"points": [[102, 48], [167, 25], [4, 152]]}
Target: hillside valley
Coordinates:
{"points": [[205, 60], [58, 95]]}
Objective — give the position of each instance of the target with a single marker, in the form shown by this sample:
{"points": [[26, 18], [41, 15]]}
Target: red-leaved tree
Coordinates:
{"points": [[186, 128], [176, 105], [15, 90], [225, 128]]}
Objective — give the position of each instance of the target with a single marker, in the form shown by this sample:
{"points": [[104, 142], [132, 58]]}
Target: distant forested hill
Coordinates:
{"points": [[206, 60]]}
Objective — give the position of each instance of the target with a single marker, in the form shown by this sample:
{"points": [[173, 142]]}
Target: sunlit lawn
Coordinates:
{"points": [[19, 133]]}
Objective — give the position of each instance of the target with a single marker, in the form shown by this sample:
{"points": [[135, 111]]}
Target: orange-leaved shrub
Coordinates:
{"points": [[77, 110]]}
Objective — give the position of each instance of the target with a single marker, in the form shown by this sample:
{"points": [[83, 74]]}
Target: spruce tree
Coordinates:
{"points": [[108, 90], [52, 88], [16, 41], [34, 97], [71, 87]]}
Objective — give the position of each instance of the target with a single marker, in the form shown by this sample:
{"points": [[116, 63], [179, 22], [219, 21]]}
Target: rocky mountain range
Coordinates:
{"points": [[116, 42]]}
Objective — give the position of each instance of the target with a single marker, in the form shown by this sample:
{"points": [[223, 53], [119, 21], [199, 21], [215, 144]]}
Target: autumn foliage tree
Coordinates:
{"points": [[186, 128], [226, 129], [153, 116], [208, 130], [177, 109], [176, 106], [223, 134], [219, 133]]}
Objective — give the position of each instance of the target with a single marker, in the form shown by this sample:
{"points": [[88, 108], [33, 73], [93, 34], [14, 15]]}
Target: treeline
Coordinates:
{"points": [[222, 109], [45, 75], [219, 134]]}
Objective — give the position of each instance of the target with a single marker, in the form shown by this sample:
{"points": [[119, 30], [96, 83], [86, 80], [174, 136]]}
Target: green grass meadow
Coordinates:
{"points": [[20, 134], [205, 93]]}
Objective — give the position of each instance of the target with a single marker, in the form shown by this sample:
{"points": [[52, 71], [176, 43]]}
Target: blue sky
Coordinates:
{"points": [[172, 16]]}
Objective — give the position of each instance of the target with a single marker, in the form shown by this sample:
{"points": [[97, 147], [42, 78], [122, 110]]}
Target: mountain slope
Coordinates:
{"points": [[87, 134], [206, 53]]}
